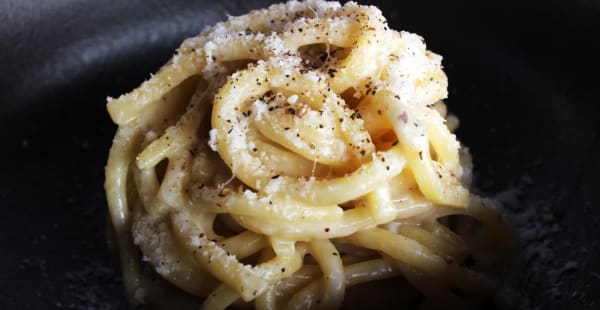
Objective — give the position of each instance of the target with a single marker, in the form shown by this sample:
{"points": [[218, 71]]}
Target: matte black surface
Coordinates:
{"points": [[523, 81]]}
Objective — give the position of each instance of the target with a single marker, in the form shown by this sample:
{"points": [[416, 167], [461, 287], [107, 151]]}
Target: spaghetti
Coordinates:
{"points": [[284, 156]]}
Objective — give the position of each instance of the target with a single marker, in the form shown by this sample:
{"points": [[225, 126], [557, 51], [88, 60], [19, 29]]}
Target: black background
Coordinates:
{"points": [[523, 80]]}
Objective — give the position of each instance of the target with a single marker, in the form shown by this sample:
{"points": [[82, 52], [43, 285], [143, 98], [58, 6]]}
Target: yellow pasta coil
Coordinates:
{"points": [[287, 155]]}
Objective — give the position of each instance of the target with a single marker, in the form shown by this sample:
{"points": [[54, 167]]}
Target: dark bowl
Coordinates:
{"points": [[523, 81]]}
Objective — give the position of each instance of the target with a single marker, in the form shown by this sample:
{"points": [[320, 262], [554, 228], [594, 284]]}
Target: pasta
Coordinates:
{"points": [[285, 156]]}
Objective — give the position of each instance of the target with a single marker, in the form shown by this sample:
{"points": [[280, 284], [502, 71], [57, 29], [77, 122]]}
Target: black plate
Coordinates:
{"points": [[523, 80]]}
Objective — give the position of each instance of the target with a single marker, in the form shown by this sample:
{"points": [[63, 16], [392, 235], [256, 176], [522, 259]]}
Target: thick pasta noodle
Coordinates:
{"points": [[283, 157]]}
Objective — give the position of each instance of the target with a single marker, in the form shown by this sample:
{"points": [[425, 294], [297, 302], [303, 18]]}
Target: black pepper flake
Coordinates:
{"points": [[275, 176], [283, 269], [362, 152], [334, 254], [254, 149], [291, 111], [323, 56], [326, 229], [331, 72], [403, 117], [421, 155]]}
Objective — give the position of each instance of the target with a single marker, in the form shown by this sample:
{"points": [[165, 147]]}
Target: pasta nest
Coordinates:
{"points": [[285, 155]]}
